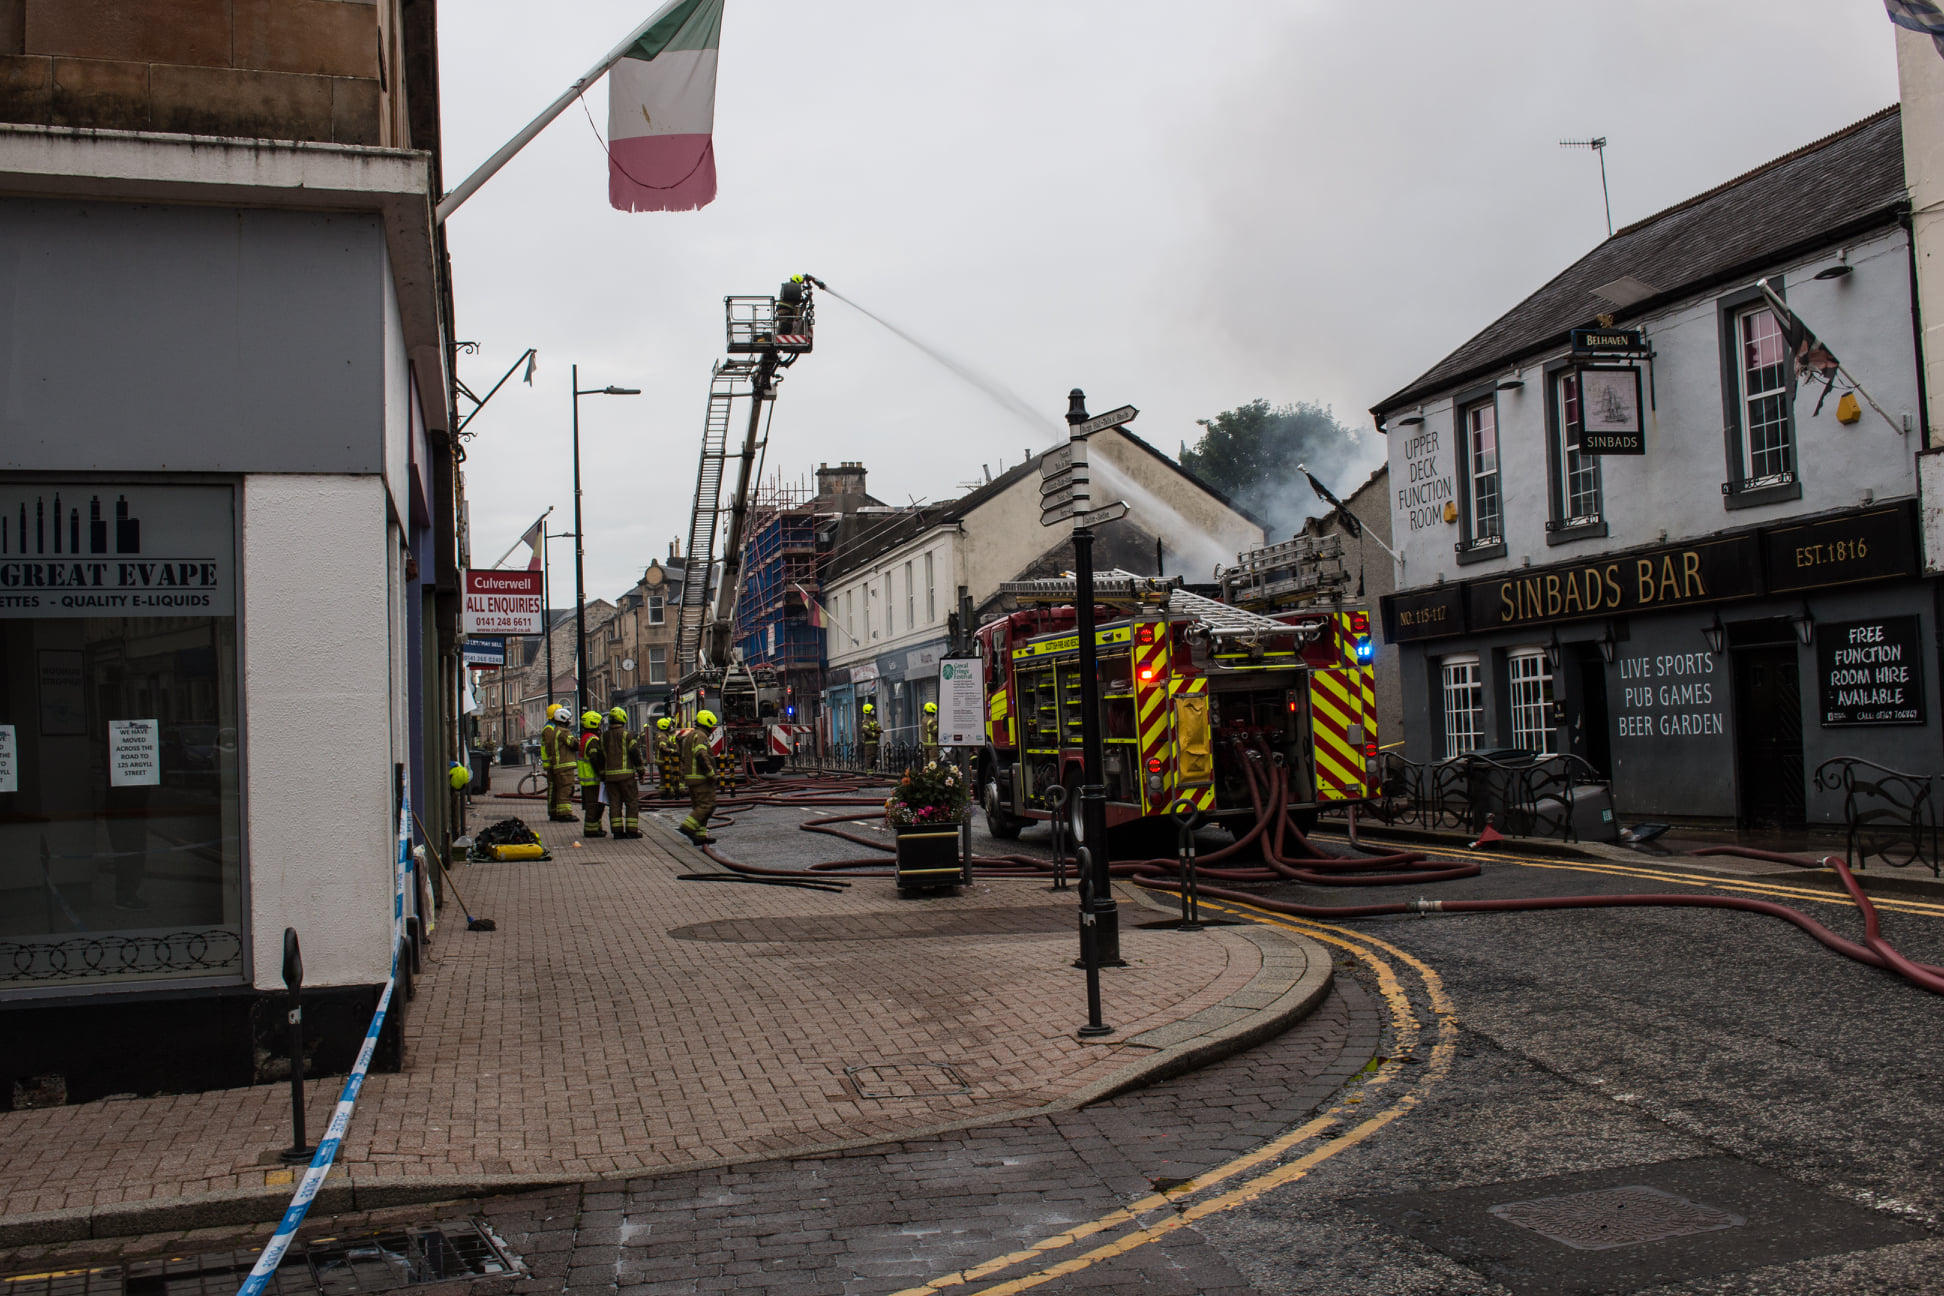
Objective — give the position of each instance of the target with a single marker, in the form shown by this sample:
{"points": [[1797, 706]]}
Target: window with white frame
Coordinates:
{"points": [[850, 619], [1532, 697], [1464, 706], [657, 665], [1579, 474], [657, 609], [1762, 366], [931, 594], [911, 599], [1482, 473]]}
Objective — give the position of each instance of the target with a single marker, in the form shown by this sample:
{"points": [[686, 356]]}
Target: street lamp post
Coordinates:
{"points": [[1102, 917], [580, 546]]}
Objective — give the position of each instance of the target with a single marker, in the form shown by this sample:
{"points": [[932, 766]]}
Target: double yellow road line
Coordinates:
{"points": [[1403, 1078]]}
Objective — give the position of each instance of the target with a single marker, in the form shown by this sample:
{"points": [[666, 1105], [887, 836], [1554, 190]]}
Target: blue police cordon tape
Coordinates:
{"points": [[327, 1147]]}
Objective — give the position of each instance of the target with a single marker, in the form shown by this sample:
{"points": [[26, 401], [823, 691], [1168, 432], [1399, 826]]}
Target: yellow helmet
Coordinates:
{"points": [[553, 711], [664, 723], [868, 708], [707, 719], [458, 776], [931, 708], [591, 720], [619, 715]]}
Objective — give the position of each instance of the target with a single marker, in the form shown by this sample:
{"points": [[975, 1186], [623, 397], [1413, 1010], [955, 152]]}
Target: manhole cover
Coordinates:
{"points": [[333, 1266], [1615, 1217], [906, 1080]]}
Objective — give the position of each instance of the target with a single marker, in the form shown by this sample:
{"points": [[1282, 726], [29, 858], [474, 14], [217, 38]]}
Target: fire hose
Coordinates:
{"points": [[1268, 782]]}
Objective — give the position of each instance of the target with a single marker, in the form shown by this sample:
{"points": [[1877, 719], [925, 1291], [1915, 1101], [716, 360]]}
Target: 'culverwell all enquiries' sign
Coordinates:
{"points": [[502, 602]]}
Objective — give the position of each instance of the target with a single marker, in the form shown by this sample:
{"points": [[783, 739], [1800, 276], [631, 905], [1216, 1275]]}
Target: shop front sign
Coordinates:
{"points": [[1874, 544], [1610, 417], [1424, 614], [76, 549], [1708, 571], [1870, 672]]}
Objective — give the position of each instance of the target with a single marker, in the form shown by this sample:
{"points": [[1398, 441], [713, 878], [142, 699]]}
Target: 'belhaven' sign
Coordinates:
{"points": [[1707, 571]]}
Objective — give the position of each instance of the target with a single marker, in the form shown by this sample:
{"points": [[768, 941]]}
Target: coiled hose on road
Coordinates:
{"points": [[1279, 836]]}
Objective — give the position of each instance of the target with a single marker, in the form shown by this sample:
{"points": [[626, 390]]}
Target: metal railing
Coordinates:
{"points": [[1887, 814], [1523, 798]]}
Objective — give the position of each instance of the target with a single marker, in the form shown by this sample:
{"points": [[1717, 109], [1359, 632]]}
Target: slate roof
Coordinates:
{"points": [[893, 529], [1840, 185]]}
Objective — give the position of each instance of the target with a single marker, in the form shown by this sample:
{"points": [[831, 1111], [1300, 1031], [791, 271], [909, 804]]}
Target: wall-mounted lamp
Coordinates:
{"points": [[1553, 653], [1607, 644], [1512, 381], [1716, 635], [1805, 626], [1837, 271], [1410, 420]]}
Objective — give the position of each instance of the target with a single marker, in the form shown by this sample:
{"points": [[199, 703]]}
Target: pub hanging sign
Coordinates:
{"points": [[1609, 406]]}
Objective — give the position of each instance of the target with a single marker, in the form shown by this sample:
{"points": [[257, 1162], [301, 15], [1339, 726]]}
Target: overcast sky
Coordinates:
{"points": [[1179, 206]]}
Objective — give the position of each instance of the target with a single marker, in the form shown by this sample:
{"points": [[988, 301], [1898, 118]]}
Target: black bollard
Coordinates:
{"points": [[1185, 816], [299, 1150], [1056, 797], [1089, 952]]}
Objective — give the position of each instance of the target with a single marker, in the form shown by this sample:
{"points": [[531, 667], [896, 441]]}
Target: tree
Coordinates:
{"points": [[1250, 454]]}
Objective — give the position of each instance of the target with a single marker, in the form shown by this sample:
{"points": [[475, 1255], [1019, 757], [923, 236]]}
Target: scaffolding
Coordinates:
{"points": [[781, 566]]}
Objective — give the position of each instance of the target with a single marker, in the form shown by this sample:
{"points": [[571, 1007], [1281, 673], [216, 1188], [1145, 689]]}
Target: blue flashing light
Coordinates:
{"points": [[790, 711], [1365, 650]]}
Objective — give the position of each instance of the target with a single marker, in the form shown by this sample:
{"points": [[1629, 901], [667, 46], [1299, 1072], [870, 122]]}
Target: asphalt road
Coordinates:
{"points": [[1770, 1114]]}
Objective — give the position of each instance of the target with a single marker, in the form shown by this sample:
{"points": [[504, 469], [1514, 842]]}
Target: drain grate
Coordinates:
{"points": [[333, 1266], [906, 1080], [1615, 1217]]}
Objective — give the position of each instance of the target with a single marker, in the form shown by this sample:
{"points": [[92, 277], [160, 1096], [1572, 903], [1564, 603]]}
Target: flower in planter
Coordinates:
{"points": [[933, 794]]}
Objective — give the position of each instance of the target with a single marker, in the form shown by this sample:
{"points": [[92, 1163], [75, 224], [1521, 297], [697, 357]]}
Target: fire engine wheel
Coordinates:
{"points": [[998, 822]]}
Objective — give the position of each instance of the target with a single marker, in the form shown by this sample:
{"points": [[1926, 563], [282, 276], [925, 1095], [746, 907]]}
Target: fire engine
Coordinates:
{"points": [[1190, 688]]}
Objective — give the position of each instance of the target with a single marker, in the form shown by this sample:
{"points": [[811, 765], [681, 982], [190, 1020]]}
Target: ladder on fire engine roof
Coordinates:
{"points": [[732, 379], [1220, 619]]}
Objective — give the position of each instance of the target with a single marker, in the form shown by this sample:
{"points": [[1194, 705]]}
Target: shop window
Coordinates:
{"points": [[1464, 706], [1480, 500], [1575, 475], [1532, 700], [1756, 400], [121, 846]]}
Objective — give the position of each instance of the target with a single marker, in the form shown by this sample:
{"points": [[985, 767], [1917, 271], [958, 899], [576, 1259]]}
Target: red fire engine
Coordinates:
{"points": [[1190, 688]]}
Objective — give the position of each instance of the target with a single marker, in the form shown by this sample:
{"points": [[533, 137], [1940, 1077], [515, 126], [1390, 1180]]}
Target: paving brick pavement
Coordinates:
{"points": [[875, 1220], [620, 1021]]}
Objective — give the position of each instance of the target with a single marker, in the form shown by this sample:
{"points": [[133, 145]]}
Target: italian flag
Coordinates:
{"points": [[661, 113]]}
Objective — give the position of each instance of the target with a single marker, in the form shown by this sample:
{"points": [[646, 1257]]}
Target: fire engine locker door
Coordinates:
{"points": [[1302, 765], [1196, 750]]}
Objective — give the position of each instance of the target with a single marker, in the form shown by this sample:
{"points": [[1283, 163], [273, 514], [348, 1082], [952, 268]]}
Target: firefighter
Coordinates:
{"points": [[789, 305], [557, 758], [589, 769], [699, 775], [870, 731], [621, 757], [931, 733], [669, 756]]}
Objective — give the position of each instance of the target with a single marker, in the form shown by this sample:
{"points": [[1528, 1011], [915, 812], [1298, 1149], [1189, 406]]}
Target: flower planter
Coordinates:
{"points": [[928, 856]]}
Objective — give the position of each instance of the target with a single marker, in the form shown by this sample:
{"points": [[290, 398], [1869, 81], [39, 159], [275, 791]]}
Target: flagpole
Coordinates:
{"points": [[470, 185], [523, 538]]}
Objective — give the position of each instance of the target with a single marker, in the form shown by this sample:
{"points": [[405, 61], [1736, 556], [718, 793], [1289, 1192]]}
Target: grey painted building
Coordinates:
{"points": [[1630, 532]]}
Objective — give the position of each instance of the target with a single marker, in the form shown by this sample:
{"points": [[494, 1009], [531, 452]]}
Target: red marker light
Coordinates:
{"points": [[1144, 635], [1147, 673], [1154, 764], [1370, 749]]}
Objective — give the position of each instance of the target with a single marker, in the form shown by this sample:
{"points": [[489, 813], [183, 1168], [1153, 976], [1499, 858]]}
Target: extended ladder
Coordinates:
{"points": [[731, 379]]}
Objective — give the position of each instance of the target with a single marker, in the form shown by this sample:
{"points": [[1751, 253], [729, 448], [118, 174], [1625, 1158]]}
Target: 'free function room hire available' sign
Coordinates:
{"points": [[502, 602]]}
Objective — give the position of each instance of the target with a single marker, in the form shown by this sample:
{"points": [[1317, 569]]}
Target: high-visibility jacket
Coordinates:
{"points": [[589, 764], [668, 747], [621, 752], [870, 729], [556, 746], [698, 760], [931, 730]]}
